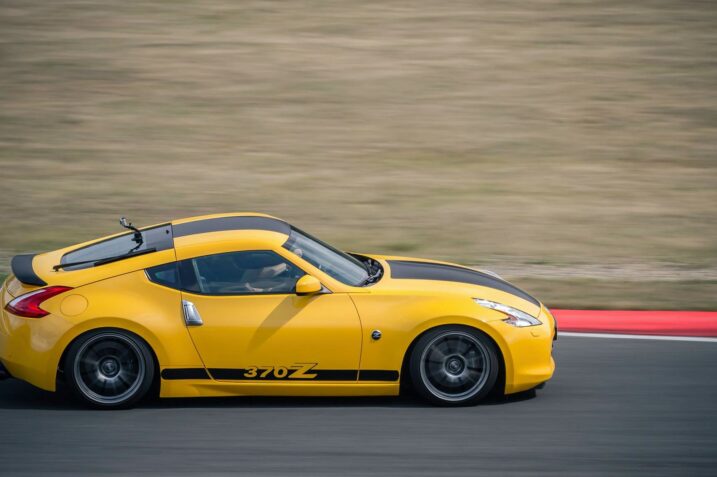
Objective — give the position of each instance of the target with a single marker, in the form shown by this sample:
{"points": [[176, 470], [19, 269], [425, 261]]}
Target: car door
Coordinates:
{"points": [[249, 325]]}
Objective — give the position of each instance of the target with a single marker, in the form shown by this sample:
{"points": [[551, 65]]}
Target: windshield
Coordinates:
{"points": [[339, 265]]}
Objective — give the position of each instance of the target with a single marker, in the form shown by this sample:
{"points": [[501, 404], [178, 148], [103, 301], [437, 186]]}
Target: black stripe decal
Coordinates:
{"points": [[184, 373], [240, 374], [401, 269], [378, 375], [21, 266], [222, 224]]}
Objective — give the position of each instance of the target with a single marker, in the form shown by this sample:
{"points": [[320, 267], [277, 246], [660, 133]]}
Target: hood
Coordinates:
{"points": [[423, 276]]}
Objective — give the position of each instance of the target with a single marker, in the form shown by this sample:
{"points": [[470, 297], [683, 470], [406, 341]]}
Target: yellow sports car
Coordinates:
{"points": [[246, 304]]}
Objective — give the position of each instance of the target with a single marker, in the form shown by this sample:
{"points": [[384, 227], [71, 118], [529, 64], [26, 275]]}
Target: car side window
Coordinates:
{"points": [[239, 273], [166, 275]]}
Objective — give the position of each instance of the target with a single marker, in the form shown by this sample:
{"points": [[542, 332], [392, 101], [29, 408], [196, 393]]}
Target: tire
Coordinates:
{"points": [[109, 369], [454, 366]]}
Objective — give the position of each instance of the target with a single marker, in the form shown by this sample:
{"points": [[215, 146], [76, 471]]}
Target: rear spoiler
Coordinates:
{"points": [[22, 269]]}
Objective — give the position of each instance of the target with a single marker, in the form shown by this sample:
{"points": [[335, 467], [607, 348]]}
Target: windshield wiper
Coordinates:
{"points": [[137, 238], [372, 276], [367, 266], [101, 261]]}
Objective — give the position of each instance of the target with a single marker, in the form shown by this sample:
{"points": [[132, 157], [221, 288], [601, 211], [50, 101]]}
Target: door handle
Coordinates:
{"points": [[191, 314]]}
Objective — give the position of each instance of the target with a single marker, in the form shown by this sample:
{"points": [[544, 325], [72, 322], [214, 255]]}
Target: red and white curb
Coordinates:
{"points": [[657, 325], [698, 339]]}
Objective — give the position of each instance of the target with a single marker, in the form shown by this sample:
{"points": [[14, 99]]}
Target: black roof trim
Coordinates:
{"points": [[221, 224], [437, 271], [22, 269]]}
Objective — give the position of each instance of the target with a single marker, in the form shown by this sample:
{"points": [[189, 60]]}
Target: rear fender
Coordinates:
{"points": [[148, 336]]}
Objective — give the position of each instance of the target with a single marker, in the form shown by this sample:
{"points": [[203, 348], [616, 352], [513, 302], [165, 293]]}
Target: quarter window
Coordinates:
{"points": [[167, 275]]}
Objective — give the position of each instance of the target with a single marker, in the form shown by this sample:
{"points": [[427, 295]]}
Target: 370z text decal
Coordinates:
{"points": [[296, 371]]}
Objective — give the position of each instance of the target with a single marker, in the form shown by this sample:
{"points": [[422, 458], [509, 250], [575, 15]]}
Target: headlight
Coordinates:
{"points": [[515, 317]]}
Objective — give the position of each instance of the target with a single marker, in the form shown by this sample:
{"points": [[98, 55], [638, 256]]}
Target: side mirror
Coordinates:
{"points": [[308, 285]]}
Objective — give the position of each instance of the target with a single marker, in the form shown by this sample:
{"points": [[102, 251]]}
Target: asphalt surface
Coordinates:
{"points": [[615, 406]]}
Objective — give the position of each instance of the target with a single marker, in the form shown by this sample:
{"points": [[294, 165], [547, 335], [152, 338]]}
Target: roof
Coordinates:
{"points": [[213, 234], [228, 222]]}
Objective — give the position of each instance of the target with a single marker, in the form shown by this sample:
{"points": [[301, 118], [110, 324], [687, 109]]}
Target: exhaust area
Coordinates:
{"points": [[4, 373]]}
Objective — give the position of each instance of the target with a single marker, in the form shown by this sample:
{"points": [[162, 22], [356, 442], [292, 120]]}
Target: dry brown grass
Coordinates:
{"points": [[500, 133]]}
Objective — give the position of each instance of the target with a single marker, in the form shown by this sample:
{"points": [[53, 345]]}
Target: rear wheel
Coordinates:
{"points": [[109, 369], [454, 366]]}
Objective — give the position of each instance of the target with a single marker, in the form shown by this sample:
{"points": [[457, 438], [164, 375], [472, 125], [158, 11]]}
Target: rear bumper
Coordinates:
{"points": [[28, 351], [28, 348]]}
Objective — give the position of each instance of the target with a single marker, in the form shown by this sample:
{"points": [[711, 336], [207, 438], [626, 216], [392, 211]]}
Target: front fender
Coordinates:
{"points": [[403, 318], [490, 328]]}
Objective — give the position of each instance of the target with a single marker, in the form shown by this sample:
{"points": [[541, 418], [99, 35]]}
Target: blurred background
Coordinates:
{"points": [[570, 146]]}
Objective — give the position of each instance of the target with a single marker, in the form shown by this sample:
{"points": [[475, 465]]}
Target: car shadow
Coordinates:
{"points": [[17, 395]]}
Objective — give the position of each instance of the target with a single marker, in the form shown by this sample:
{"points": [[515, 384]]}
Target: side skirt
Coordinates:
{"points": [[209, 388]]}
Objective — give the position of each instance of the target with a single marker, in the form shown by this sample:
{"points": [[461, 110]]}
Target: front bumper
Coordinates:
{"points": [[531, 359]]}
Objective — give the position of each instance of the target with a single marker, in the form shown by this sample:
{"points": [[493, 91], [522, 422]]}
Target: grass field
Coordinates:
{"points": [[571, 146]]}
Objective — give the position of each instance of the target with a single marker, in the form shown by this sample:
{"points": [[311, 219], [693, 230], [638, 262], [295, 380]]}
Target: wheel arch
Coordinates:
{"points": [[503, 356], [148, 338]]}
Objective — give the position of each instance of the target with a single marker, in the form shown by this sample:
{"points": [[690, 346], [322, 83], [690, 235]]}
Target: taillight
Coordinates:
{"points": [[28, 305]]}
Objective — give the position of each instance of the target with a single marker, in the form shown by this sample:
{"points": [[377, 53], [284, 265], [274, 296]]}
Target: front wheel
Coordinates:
{"points": [[109, 369], [454, 366]]}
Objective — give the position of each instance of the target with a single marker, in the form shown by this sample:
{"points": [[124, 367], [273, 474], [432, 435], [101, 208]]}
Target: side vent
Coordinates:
{"points": [[191, 314]]}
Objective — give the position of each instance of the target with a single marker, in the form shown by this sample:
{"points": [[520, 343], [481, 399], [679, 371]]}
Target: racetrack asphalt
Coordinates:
{"points": [[615, 406]]}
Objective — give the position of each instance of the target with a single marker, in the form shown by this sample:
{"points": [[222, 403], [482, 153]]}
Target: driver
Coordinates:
{"points": [[262, 273]]}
